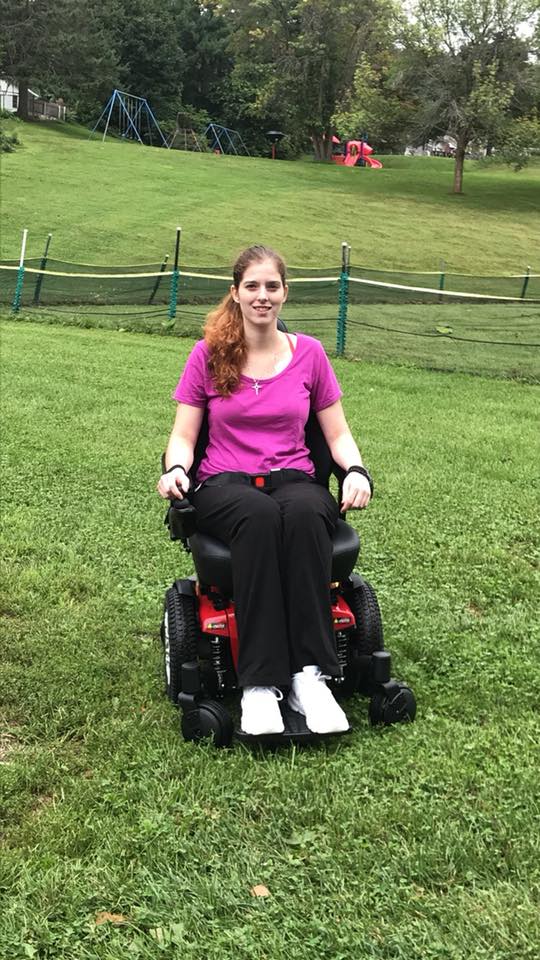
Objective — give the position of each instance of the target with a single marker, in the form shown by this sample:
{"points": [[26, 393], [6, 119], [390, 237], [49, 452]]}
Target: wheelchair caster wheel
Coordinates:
{"points": [[205, 720], [398, 707]]}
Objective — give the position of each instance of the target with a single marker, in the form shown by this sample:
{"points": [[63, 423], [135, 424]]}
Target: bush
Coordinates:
{"points": [[8, 141]]}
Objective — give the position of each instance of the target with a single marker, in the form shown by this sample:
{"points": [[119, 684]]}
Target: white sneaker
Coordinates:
{"points": [[310, 696], [260, 711]]}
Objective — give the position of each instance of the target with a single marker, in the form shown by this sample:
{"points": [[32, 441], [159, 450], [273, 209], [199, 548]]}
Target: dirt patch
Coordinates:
{"points": [[42, 802], [474, 610], [8, 745]]}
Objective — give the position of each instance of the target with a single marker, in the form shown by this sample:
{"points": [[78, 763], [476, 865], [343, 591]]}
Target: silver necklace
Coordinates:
{"points": [[256, 385]]}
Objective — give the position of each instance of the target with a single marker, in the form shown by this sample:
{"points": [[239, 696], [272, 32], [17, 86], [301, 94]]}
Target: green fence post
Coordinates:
{"points": [[173, 296], [43, 264], [15, 306], [341, 333], [442, 274], [525, 283], [442, 277]]}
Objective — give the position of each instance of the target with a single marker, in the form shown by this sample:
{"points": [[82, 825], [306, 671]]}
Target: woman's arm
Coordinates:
{"points": [[356, 488], [179, 452]]}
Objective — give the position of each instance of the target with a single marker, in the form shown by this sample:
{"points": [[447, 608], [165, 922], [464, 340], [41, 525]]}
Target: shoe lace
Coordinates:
{"points": [[275, 690], [312, 677]]}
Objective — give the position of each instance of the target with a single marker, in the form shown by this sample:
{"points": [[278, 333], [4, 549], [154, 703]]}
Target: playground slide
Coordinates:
{"points": [[351, 159]]}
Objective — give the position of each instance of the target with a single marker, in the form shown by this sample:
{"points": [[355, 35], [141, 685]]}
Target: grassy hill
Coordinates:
{"points": [[120, 203]]}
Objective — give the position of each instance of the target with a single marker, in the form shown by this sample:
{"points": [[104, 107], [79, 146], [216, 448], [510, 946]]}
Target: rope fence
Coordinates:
{"points": [[353, 307]]}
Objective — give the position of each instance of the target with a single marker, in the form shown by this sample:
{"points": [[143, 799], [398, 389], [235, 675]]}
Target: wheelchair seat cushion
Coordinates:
{"points": [[212, 558]]}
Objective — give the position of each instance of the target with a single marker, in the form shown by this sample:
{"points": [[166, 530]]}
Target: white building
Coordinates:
{"points": [[37, 106], [445, 147]]}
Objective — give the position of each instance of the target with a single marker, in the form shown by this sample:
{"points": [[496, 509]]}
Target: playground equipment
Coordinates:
{"points": [[184, 137], [358, 154], [225, 140], [132, 117]]}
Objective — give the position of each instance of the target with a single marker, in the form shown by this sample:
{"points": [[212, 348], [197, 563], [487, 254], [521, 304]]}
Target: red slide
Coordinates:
{"points": [[357, 149]]}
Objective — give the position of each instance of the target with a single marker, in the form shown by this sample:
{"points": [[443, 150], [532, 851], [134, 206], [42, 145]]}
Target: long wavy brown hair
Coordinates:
{"points": [[224, 327]]}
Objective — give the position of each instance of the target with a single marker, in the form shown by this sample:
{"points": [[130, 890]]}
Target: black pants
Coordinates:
{"points": [[281, 550]]}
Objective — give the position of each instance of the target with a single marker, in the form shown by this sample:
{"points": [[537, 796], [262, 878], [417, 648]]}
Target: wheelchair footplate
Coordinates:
{"points": [[296, 731]]}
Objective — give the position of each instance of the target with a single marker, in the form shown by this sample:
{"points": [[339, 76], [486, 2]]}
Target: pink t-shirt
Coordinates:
{"points": [[258, 432]]}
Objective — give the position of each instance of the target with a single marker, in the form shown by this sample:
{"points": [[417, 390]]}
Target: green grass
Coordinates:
{"points": [[118, 203], [489, 339], [417, 842]]}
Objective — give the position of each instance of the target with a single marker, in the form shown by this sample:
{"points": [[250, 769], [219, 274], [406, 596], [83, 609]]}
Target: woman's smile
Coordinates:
{"points": [[261, 291]]}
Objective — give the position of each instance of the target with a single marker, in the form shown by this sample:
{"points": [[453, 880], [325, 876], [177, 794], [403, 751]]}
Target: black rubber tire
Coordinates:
{"points": [[383, 711], [179, 633], [367, 636], [208, 719]]}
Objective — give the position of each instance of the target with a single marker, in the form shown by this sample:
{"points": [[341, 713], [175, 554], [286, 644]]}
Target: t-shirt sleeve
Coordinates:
{"points": [[325, 389], [192, 386]]}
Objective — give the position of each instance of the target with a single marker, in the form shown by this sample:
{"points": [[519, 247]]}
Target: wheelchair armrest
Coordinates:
{"points": [[181, 519]]}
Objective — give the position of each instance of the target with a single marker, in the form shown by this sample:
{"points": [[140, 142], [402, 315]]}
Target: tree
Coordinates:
{"points": [[294, 61], [55, 45], [145, 35], [204, 36], [519, 141], [466, 63], [378, 104]]}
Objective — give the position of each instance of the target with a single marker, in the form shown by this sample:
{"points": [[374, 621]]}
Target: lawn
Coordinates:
{"points": [[489, 339], [119, 203], [416, 842]]}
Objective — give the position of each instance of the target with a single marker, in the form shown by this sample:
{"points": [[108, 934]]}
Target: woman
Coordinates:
{"points": [[259, 384]]}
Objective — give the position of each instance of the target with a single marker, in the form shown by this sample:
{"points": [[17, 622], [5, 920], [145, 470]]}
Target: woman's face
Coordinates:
{"points": [[260, 293]]}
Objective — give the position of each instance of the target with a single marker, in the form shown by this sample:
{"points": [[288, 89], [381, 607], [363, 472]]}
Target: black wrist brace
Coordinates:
{"points": [[365, 473]]}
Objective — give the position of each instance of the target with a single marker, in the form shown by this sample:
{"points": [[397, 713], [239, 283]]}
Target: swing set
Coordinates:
{"points": [[132, 117]]}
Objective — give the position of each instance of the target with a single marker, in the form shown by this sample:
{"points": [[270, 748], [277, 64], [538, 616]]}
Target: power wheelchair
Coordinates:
{"points": [[200, 639]]}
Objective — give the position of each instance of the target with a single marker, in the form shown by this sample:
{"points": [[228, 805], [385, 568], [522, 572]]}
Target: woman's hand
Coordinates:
{"points": [[356, 492], [174, 484]]}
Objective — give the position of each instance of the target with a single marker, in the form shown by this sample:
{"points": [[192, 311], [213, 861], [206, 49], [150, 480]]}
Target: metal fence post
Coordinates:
{"points": [[341, 333], [43, 264], [158, 279], [442, 274], [15, 306], [442, 277], [173, 296], [525, 283]]}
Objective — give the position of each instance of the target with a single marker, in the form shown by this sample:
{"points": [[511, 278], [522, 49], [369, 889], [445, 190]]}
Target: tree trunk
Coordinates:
{"points": [[322, 145], [458, 168], [22, 106]]}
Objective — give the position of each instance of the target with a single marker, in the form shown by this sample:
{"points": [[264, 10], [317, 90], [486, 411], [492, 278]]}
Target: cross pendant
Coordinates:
{"points": [[256, 388]]}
